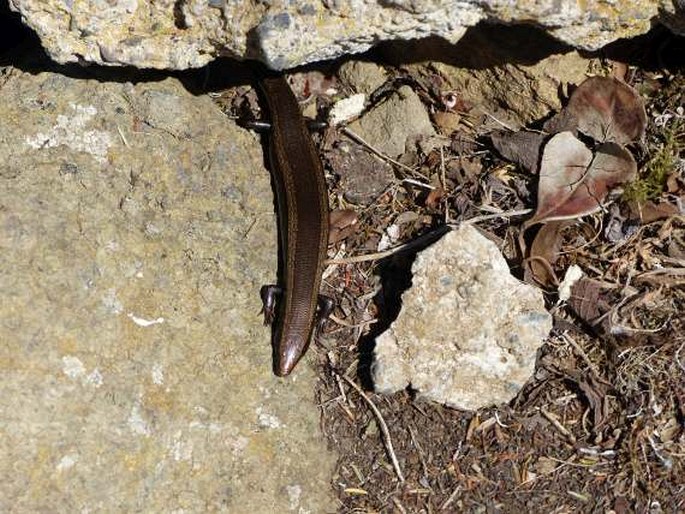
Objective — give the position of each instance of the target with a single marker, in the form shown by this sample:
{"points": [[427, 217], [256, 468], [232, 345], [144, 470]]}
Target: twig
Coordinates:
{"points": [[556, 424], [661, 271], [420, 450], [443, 181], [383, 426], [582, 353], [392, 251], [344, 323], [677, 357], [665, 461], [380, 154], [399, 505], [506, 126], [420, 240], [418, 183], [485, 217], [451, 498], [499, 422]]}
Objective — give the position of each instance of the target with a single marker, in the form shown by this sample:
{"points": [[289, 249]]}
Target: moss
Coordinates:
{"points": [[657, 169]]}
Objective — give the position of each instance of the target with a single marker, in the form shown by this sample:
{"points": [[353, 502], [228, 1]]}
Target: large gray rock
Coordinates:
{"points": [[190, 33], [136, 226], [468, 332]]}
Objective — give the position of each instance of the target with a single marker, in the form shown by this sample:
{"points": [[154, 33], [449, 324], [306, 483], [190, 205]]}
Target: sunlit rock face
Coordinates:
{"points": [[188, 34]]}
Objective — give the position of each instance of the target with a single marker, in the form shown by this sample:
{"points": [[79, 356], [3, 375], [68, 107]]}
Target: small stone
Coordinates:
{"points": [[363, 176], [468, 332], [392, 124], [363, 77]]}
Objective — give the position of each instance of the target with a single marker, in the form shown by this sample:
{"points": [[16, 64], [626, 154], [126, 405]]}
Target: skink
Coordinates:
{"points": [[302, 199]]}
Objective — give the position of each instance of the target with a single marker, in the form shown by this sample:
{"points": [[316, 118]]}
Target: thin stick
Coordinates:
{"points": [[418, 183], [451, 498], [384, 428], [420, 240], [505, 214], [677, 357], [380, 154], [392, 251], [581, 352], [556, 424]]}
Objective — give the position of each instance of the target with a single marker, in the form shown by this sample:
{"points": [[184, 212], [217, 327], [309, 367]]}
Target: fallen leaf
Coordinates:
{"points": [[446, 122], [653, 211], [343, 223], [522, 148], [434, 198], [565, 162], [590, 300], [544, 251], [573, 183], [607, 109], [596, 389]]}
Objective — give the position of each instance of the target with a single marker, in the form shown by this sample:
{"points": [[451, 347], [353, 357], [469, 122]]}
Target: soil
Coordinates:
{"points": [[601, 425]]}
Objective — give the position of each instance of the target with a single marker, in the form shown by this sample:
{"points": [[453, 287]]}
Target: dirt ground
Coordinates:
{"points": [[601, 425]]}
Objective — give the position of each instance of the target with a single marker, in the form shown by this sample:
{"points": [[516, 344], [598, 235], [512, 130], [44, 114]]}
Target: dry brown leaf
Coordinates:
{"points": [[544, 252], [434, 198], [653, 211], [607, 109], [573, 183], [521, 147], [565, 161], [447, 122], [343, 223], [586, 299]]}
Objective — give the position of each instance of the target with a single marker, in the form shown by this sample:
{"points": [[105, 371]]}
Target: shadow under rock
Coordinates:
{"points": [[396, 277]]}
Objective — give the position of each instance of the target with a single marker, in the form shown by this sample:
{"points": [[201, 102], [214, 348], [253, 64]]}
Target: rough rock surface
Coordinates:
{"points": [[468, 332], [393, 124], [517, 94], [135, 230], [190, 33]]}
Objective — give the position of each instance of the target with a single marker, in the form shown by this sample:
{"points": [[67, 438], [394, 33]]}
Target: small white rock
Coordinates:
{"points": [[573, 274], [468, 332], [347, 108]]}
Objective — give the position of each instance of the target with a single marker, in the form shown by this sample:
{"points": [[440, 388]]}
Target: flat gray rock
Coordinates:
{"points": [[136, 226]]}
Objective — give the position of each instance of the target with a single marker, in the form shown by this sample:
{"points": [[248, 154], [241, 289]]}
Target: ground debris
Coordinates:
{"points": [[599, 427]]}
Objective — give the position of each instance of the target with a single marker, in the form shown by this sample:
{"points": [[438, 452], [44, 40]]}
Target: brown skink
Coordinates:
{"points": [[296, 307]]}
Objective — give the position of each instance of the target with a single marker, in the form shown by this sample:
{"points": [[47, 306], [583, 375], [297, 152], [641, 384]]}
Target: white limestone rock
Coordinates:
{"points": [[468, 332]]}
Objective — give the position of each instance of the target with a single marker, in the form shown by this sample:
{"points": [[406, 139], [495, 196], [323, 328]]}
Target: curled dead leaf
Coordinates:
{"points": [[343, 223], [544, 252]]}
